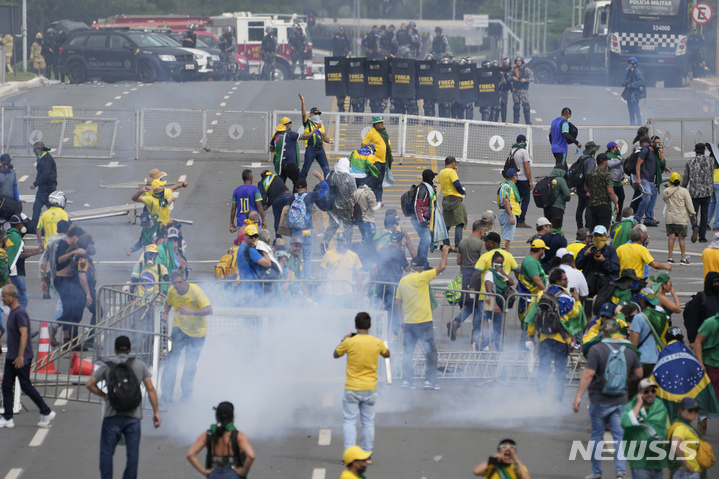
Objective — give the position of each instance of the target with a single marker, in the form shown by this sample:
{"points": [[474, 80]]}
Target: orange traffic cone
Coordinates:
{"points": [[80, 367], [42, 364]]}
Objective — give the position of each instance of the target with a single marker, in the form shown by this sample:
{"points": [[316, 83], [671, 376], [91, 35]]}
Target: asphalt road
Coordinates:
{"points": [[462, 422]]}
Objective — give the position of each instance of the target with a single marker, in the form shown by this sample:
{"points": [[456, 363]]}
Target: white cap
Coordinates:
{"points": [[561, 252]]}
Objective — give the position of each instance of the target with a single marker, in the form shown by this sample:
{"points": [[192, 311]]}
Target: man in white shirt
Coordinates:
{"points": [[575, 278], [524, 176]]}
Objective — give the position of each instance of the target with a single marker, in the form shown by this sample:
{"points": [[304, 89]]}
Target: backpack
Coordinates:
{"points": [[548, 320], [297, 216], [630, 164], [575, 176], [407, 200], [615, 373], [327, 201], [226, 268], [705, 454], [543, 193], [238, 455], [123, 387], [510, 163]]}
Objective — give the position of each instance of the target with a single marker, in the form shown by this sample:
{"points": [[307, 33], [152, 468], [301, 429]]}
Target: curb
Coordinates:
{"points": [[705, 86], [13, 87]]}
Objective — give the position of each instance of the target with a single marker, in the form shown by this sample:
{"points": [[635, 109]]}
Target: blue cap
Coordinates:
{"points": [[599, 230], [510, 173], [612, 144], [608, 310], [633, 59]]}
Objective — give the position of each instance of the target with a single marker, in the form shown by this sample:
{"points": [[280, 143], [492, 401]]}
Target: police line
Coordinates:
{"points": [[411, 79]]}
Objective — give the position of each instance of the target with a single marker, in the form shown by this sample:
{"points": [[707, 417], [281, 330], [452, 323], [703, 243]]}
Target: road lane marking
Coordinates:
{"points": [[182, 178], [23, 178], [226, 97], [189, 162], [133, 89], [214, 122], [109, 103], [99, 113], [327, 400], [222, 104], [126, 93], [118, 97], [219, 112], [615, 93], [234, 88], [319, 473], [230, 92], [536, 118], [532, 111], [17, 472], [325, 437], [209, 132], [39, 437]]}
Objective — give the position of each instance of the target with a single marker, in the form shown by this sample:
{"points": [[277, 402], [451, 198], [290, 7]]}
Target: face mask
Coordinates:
{"points": [[715, 289], [599, 241], [90, 251], [158, 194], [630, 67], [315, 119], [541, 256], [23, 230], [361, 469], [497, 266], [150, 261]]}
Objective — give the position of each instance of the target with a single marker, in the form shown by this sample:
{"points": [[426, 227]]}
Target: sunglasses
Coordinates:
{"points": [[650, 391], [507, 446]]}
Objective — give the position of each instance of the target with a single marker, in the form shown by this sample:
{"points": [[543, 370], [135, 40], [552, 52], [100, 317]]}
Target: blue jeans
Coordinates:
{"points": [[552, 350], [648, 473], [646, 206], [19, 282], [307, 243], [23, 375], [223, 473], [423, 333], [684, 474], [714, 223], [635, 116], [113, 428], [424, 237], [312, 154], [600, 415], [482, 336], [192, 347], [362, 403], [523, 187]]}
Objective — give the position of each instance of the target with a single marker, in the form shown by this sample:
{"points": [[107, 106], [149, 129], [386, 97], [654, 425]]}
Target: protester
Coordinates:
{"points": [[229, 452], [274, 194], [391, 225], [644, 178], [314, 143], [286, 152], [614, 165], [387, 270], [504, 464], [575, 278], [360, 396], [380, 138], [47, 226], [147, 273], [645, 334], [554, 239], [17, 253], [424, 209], [304, 228], [679, 211], [121, 420], [339, 202], [710, 256], [598, 261], [341, 272], [508, 200], [524, 176], [532, 276], [621, 230], [45, 180], [355, 461], [494, 281], [699, 180], [160, 200], [683, 436], [634, 255], [246, 197], [581, 240], [601, 194], [69, 290], [453, 209], [366, 205]]}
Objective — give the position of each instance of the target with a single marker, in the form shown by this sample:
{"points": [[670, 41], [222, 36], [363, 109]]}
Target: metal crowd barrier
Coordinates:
{"points": [[680, 135]]}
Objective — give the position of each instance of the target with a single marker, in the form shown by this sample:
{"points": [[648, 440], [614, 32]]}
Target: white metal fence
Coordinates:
{"points": [[96, 133]]}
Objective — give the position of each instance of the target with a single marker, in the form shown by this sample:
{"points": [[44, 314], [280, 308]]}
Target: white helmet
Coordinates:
{"points": [[57, 198]]}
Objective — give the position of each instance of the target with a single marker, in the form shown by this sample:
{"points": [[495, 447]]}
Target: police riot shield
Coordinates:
{"points": [[335, 84], [426, 79], [403, 75], [488, 86], [447, 82], [377, 79], [468, 92], [355, 77]]}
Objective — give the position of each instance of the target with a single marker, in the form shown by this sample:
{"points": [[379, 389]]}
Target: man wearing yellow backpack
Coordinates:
{"points": [[687, 442]]}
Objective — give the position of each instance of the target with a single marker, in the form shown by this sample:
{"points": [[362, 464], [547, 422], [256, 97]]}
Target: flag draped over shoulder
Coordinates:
{"points": [[360, 162], [659, 323], [678, 374], [592, 335]]}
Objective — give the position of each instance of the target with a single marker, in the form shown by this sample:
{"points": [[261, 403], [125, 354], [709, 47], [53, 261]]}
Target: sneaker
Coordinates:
{"points": [[45, 420], [523, 225], [453, 327], [594, 476], [428, 386], [654, 223], [621, 475], [703, 240], [684, 261], [671, 261], [323, 248], [695, 234], [407, 385], [8, 423]]}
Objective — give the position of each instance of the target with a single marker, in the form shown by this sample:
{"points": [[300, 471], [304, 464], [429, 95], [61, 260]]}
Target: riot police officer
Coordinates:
{"points": [[298, 43], [189, 37], [440, 45], [521, 78], [268, 50], [494, 110], [459, 107], [505, 86], [228, 49], [403, 40], [387, 43], [370, 42], [429, 109], [48, 52], [340, 43], [416, 40], [486, 111], [445, 107]]}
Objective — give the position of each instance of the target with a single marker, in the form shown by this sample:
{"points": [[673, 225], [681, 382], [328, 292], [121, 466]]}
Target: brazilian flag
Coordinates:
{"points": [[678, 375], [592, 335], [361, 162], [659, 322]]}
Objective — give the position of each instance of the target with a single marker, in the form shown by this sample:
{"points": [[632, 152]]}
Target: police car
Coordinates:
{"points": [[119, 55], [582, 61]]}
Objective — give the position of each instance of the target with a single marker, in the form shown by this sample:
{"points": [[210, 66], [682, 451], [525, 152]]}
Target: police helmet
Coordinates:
{"points": [[229, 29], [38, 35], [411, 25], [494, 64], [519, 58], [268, 29], [506, 60], [446, 60], [485, 64], [57, 198], [51, 31], [191, 26], [429, 57], [462, 61], [296, 26], [438, 29]]}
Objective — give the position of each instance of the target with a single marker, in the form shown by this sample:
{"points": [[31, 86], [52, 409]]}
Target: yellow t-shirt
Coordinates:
{"points": [[340, 270], [413, 290], [363, 351], [373, 136], [447, 177], [710, 258], [493, 473], [484, 263], [686, 434], [506, 191], [49, 220], [347, 474], [575, 248], [153, 206], [634, 256], [716, 175], [195, 298]]}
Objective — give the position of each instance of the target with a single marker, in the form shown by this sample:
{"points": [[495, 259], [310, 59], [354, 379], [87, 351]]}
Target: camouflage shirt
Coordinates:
{"points": [[597, 182], [699, 175]]}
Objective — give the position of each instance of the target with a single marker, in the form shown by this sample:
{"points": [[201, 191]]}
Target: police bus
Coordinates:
{"points": [[653, 31]]}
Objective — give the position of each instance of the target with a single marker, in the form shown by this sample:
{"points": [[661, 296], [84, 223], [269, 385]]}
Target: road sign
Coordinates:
{"points": [[496, 143], [85, 134], [476, 21], [702, 13], [435, 138], [236, 131], [173, 129], [35, 136]]}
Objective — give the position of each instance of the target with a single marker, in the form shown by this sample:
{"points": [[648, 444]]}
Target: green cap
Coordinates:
{"points": [[377, 119]]}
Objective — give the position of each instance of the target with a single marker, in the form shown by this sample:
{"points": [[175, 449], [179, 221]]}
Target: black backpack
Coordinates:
{"points": [[548, 320], [407, 200], [123, 387], [510, 163], [630, 164], [543, 193], [575, 176]]}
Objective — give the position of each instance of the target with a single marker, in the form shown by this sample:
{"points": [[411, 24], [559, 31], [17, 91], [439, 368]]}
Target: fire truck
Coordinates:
{"points": [[250, 29]]}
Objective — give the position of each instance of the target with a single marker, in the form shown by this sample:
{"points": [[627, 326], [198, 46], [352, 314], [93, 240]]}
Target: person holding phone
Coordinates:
{"points": [[503, 464]]}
